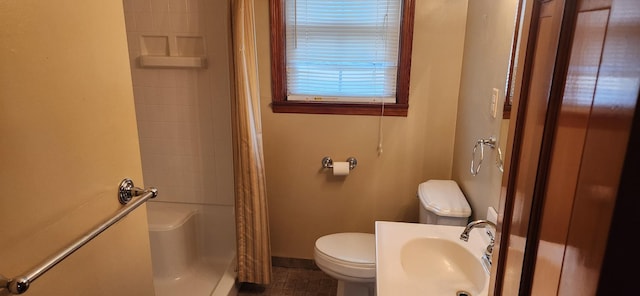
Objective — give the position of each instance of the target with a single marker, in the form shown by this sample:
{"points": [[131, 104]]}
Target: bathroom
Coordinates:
{"points": [[451, 88], [305, 202]]}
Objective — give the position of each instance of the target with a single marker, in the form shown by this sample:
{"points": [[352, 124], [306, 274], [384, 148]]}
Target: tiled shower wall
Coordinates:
{"points": [[184, 114]]}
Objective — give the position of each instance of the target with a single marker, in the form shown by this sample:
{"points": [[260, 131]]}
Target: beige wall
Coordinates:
{"points": [[305, 201], [490, 26], [67, 138]]}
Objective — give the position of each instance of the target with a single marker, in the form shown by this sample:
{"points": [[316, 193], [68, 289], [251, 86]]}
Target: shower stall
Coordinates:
{"points": [[180, 65]]}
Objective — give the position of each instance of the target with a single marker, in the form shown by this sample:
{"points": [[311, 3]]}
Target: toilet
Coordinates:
{"points": [[350, 257]]}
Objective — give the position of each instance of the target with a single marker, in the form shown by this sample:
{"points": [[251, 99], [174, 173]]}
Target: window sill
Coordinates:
{"points": [[339, 108]]}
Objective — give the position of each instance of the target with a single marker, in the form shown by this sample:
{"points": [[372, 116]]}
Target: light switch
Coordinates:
{"points": [[494, 102]]}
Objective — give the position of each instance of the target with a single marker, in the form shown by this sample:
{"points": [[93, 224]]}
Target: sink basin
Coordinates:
{"points": [[444, 266], [425, 259]]}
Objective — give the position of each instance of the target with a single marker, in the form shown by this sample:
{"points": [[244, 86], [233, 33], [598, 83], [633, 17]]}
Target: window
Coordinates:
{"points": [[341, 56]]}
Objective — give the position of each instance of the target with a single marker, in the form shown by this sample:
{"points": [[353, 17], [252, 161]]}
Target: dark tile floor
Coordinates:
{"points": [[293, 281]]}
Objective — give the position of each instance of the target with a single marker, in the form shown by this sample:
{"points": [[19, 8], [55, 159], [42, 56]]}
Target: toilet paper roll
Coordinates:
{"points": [[340, 168]]}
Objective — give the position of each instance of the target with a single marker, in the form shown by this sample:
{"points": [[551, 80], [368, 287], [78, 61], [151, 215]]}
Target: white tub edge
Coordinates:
{"points": [[227, 284]]}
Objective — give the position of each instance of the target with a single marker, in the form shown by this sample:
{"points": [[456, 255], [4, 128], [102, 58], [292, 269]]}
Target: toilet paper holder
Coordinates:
{"points": [[327, 162]]}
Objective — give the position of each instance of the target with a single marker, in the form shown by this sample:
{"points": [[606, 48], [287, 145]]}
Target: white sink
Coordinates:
{"points": [[425, 259]]}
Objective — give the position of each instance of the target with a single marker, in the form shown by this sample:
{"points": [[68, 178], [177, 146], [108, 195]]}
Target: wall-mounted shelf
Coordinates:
{"points": [[172, 51]]}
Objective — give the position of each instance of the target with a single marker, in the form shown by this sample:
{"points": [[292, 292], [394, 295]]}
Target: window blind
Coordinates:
{"points": [[342, 50]]}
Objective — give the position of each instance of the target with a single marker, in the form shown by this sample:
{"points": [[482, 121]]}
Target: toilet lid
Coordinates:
{"points": [[350, 247], [444, 198]]}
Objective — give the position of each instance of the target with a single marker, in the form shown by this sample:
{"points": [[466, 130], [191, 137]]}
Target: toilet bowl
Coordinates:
{"points": [[349, 257]]}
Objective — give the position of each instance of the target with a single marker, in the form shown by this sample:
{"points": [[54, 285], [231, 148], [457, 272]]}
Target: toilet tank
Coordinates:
{"points": [[442, 202]]}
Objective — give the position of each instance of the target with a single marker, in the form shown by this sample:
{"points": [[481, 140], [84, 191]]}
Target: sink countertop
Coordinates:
{"points": [[392, 274]]}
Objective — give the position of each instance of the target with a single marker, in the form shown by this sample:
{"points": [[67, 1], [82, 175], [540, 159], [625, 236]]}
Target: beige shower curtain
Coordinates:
{"points": [[252, 223]]}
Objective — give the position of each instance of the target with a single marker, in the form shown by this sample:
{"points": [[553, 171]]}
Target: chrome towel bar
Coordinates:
{"points": [[126, 192]]}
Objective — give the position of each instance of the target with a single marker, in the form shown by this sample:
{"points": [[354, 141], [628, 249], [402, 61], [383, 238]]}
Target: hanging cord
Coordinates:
{"points": [[380, 133], [295, 24], [384, 39]]}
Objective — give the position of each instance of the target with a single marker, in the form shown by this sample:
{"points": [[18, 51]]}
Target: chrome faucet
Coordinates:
{"points": [[473, 224], [486, 258]]}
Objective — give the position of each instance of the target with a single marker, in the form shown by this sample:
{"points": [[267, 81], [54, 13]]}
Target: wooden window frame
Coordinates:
{"points": [[279, 103]]}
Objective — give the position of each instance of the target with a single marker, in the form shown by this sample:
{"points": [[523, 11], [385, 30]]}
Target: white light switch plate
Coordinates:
{"points": [[495, 94]]}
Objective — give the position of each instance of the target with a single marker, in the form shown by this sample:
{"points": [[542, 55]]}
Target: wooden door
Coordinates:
{"points": [[67, 138], [582, 150], [589, 147]]}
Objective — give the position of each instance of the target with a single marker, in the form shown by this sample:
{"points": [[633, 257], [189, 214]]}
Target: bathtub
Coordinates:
{"points": [[192, 251]]}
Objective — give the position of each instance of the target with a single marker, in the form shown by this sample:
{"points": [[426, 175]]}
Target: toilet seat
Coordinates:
{"points": [[349, 256]]}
